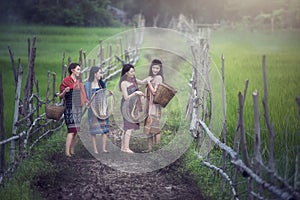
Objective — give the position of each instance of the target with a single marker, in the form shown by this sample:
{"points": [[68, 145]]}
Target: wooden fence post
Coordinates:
{"points": [[13, 65], [224, 112], [100, 53], [16, 114], [84, 59], [63, 68], [2, 130], [30, 76], [80, 57], [257, 141], [266, 115]]}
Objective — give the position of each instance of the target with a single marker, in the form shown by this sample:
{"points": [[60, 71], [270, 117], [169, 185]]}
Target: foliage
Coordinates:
{"points": [[65, 12], [243, 60], [208, 182], [95, 13], [19, 186], [52, 42], [242, 50]]}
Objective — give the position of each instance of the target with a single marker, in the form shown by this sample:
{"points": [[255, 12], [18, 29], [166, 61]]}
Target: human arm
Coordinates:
{"points": [[144, 81], [63, 91], [84, 98], [157, 80], [124, 86]]}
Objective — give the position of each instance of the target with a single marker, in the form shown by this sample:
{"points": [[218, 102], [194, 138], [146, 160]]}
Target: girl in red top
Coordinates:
{"points": [[73, 93]]}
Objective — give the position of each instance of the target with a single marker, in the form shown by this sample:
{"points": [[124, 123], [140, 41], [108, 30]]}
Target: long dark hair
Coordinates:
{"points": [[125, 69], [159, 63], [94, 70], [72, 66]]}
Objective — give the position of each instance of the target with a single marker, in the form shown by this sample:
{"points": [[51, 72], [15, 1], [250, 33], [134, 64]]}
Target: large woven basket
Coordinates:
{"points": [[164, 94], [54, 111]]}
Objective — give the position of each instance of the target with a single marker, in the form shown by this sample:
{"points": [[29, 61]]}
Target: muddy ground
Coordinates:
{"points": [[84, 177]]}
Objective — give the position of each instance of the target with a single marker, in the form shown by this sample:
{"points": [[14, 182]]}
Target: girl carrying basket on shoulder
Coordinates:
{"points": [[152, 122]]}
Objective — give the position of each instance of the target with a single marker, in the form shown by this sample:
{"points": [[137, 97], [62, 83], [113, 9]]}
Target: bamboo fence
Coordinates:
{"points": [[30, 124], [243, 176]]}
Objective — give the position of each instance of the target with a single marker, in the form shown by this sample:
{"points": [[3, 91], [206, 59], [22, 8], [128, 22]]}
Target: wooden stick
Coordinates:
{"points": [[13, 65], [266, 115], [16, 114], [2, 128]]}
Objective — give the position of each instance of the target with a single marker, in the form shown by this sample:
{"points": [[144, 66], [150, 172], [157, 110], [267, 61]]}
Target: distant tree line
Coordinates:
{"points": [[257, 13], [57, 12]]}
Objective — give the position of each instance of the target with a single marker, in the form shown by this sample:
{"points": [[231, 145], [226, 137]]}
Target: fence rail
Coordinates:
{"points": [[30, 124], [246, 180]]}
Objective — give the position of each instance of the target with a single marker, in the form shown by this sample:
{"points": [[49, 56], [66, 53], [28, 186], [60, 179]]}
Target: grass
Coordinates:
{"points": [[243, 60], [19, 186], [51, 43], [243, 54]]}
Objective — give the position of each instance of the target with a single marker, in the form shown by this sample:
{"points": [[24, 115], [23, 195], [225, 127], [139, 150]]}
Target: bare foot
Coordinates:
{"points": [[105, 151], [96, 152], [72, 152], [68, 155], [127, 151]]}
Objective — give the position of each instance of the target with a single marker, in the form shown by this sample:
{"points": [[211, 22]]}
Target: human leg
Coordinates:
{"points": [[94, 144], [157, 138], [122, 140], [68, 143], [73, 143], [150, 142], [127, 136], [104, 138]]}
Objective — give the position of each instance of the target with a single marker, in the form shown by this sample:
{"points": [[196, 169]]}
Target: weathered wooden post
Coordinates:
{"points": [[30, 77], [16, 114], [2, 130], [80, 57], [266, 115], [257, 141]]}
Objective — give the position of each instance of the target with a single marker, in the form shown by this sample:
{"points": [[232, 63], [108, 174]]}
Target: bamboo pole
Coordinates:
{"points": [[266, 115], [257, 140], [80, 57], [224, 112], [84, 59], [53, 86], [30, 76], [63, 68], [48, 87], [242, 130], [2, 129], [100, 53], [246, 171], [16, 114], [13, 65]]}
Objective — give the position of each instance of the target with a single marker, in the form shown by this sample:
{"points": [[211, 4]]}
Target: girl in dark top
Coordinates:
{"points": [[129, 87]]}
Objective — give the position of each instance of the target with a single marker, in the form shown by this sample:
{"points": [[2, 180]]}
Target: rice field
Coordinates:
{"points": [[243, 60]]}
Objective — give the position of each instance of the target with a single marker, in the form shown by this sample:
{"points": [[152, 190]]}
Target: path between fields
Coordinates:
{"points": [[84, 177]]}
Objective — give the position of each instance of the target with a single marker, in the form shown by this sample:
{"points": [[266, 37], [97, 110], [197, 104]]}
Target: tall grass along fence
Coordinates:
{"points": [[30, 123], [241, 176]]}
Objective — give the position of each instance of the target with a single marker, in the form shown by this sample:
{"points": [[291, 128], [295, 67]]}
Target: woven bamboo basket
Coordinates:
{"points": [[54, 111], [164, 94]]}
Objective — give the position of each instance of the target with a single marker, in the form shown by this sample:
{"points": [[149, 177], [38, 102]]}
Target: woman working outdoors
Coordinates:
{"points": [[98, 121], [128, 85], [72, 91], [152, 122]]}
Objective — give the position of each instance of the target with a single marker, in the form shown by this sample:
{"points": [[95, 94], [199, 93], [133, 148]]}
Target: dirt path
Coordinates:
{"points": [[84, 177]]}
